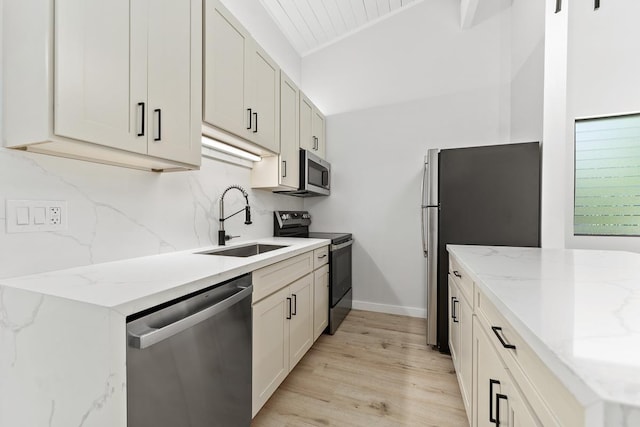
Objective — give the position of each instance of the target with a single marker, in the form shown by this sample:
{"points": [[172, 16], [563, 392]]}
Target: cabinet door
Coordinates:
{"points": [[320, 300], [317, 125], [270, 346], [225, 47], [306, 123], [454, 323], [263, 99], [465, 350], [95, 49], [169, 77], [301, 324], [490, 380], [497, 399], [289, 172]]}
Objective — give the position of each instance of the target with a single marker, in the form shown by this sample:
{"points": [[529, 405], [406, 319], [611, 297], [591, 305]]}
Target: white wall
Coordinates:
{"points": [[416, 54], [603, 78], [413, 82], [117, 213], [591, 70], [526, 62], [554, 146]]}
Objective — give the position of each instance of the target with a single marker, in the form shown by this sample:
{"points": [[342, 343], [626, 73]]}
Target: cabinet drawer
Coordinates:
{"points": [[462, 278], [269, 279], [320, 257], [553, 404]]}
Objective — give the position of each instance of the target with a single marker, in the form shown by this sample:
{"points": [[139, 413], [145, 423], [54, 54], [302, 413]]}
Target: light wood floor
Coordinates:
{"points": [[375, 371]]}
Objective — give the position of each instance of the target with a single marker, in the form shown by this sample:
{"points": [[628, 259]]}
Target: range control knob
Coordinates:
{"points": [[306, 216], [285, 216]]}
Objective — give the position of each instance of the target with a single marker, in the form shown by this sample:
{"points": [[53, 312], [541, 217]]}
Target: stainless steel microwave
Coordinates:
{"points": [[315, 176]]}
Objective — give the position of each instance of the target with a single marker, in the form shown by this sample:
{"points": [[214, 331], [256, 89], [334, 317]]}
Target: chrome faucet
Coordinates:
{"points": [[222, 236]]}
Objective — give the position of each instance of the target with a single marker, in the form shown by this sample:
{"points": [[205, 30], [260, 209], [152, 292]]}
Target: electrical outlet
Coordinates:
{"points": [[36, 215], [55, 215]]}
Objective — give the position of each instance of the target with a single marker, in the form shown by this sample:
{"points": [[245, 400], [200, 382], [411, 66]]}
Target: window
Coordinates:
{"points": [[607, 176]]}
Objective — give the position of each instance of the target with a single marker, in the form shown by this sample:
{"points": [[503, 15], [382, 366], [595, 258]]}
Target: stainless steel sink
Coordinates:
{"points": [[244, 251]]}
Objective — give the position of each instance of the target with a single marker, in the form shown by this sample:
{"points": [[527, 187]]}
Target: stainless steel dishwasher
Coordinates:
{"points": [[189, 360]]}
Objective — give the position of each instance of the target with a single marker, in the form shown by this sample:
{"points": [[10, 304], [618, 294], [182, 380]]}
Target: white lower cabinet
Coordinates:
{"points": [[460, 340], [287, 305], [502, 381], [282, 334], [270, 346], [301, 319], [320, 300]]}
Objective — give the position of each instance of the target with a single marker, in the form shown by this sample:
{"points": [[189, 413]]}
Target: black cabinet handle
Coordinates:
{"points": [[250, 116], [454, 316], [558, 5], [504, 343], [159, 113], [255, 129], [457, 274], [596, 5], [498, 398], [289, 313], [142, 114], [492, 419], [295, 303], [284, 168]]}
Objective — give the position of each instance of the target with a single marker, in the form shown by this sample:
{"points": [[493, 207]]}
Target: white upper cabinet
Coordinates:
{"points": [[264, 99], [126, 80], [94, 71], [289, 137], [169, 81], [312, 127], [225, 59], [241, 82], [282, 172]]}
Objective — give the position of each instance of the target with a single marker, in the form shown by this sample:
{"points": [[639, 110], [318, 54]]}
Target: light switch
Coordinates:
{"points": [[39, 215], [22, 216]]}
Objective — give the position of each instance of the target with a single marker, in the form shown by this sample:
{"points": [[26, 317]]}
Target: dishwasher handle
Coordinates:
{"points": [[154, 336]]}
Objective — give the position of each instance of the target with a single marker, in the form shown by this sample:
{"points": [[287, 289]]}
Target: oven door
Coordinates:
{"points": [[340, 271]]}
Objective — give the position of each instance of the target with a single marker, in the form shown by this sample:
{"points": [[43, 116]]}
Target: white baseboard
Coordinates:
{"points": [[390, 309]]}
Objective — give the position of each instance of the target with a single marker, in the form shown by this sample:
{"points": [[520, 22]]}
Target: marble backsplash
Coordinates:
{"points": [[116, 213]]}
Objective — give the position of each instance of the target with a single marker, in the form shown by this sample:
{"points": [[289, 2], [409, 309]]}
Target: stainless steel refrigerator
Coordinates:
{"points": [[478, 196]]}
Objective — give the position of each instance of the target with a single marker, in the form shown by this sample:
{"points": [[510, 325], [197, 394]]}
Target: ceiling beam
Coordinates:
{"points": [[468, 12]]}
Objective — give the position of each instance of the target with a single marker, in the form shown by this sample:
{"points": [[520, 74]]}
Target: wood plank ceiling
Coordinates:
{"points": [[312, 24]]}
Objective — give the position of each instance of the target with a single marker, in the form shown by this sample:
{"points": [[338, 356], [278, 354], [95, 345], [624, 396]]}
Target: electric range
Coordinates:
{"points": [[296, 224]]}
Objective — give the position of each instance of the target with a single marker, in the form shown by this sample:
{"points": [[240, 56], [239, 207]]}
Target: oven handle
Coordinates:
{"points": [[154, 336], [341, 245]]}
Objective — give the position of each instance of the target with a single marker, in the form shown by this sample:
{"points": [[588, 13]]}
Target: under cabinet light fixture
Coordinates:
{"points": [[225, 148]]}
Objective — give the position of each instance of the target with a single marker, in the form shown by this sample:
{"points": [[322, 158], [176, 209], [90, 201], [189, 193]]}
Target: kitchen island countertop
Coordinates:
{"points": [[579, 310]]}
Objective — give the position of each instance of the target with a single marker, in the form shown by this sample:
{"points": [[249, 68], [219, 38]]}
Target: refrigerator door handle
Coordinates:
{"points": [[432, 275], [422, 210]]}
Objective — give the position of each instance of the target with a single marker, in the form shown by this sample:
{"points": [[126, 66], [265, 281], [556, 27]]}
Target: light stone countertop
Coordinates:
{"points": [[63, 334], [132, 285], [579, 310]]}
